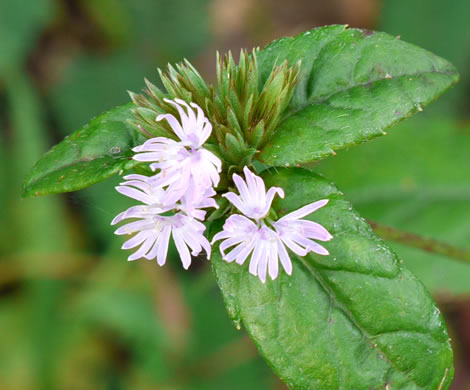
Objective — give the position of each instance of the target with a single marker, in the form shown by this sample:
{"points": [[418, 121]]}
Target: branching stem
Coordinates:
{"points": [[423, 243]]}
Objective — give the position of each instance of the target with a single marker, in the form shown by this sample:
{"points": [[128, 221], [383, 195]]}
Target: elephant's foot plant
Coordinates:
{"points": [[325, 300]]}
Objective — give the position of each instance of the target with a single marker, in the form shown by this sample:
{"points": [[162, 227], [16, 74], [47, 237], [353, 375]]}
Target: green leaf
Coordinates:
{"points": [[91, 154], [415, 179], [98, 83], [20, 27], [355, 319], [28, 141], [353, 85]]}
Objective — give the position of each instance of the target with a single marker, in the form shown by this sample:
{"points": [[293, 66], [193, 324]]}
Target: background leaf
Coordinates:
{"points": [[354, 84], [26, 22], [443, 30], [29, 142], [28, 236], [91, 86], [354, 319], [417, 180], [91, 154]]}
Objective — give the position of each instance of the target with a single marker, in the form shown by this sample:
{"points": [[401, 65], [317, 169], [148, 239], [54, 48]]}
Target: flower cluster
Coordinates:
{"points": [[174, 197], [183, 186], [253, 232]]}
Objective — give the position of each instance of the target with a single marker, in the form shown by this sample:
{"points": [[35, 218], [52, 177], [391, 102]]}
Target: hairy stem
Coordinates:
{"points": [[423, 243]]}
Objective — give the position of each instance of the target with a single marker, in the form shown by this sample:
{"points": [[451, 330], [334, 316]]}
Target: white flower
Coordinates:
{"points": [[154, 230], [266, 245], [153, 236], [253, 200], [192, 206], [298, 233], [248, 237], [184, 166], [139, 188]]}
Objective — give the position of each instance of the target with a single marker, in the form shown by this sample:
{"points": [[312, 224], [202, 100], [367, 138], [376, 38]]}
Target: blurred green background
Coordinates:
{"points": [[74, 314]]}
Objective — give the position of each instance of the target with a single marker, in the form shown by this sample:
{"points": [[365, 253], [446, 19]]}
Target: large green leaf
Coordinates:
{"points": [[356, 319], [353, 85], [416, 179], [91, 154]]}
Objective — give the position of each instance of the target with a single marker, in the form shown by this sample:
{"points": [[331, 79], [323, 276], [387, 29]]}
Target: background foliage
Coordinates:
{"points": [[73, 313]]}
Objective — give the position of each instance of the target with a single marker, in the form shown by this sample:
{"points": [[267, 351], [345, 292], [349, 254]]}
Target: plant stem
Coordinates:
{"points": [[423, 243]]}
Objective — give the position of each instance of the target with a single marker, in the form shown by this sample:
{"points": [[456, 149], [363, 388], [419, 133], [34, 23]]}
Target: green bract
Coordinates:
{"points": [[243, 111], [356, 319]]}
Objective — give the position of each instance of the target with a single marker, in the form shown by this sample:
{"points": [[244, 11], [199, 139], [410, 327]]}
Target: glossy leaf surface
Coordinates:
{"points": [[91, 154], [355, 319], [354, 84]]}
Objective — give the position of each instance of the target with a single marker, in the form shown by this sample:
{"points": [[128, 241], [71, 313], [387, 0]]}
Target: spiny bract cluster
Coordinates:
{"points": [[244, 110]]}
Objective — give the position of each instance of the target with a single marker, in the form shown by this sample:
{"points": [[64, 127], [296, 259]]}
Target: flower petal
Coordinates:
{"points": [[270, 196], [315, 230], [136, 240], [273, 262], [134, 227], [145, 247], [174, 124], [304, 211], [135, 194], [230, 242], [258, 252], [318, 249], [242, 188], [263, 263], [162, 244], [237, 202], [294, 247], [182, 249], [284, 257]]}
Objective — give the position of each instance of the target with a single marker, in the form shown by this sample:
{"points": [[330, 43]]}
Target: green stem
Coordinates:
{"points": [[423, 243]]}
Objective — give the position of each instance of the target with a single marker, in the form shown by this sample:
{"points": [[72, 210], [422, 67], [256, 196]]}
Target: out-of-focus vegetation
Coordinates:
{"points": [[73, 313]]}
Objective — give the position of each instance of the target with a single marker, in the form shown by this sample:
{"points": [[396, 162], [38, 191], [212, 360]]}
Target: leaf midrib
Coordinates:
{"points": [[324, 99], [28, 188]]}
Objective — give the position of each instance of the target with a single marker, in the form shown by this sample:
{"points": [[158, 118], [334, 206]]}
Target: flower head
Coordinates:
{"points": [[253, 200], [153, 236], [153, 230], [185, 165], [298, 234], [194, 129], [267, 244], [264, 244]]}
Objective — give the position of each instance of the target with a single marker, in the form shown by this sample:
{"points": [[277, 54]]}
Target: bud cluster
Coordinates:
{"points": [[243, 110]]}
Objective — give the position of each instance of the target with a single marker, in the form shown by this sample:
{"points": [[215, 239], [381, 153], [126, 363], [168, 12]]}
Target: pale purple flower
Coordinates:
{"points": [[153, 230], [248, 237], [153, 236], [264, 239], [192, 206], [185, 165], [253, 200], [298, 234], [139, 188]]}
